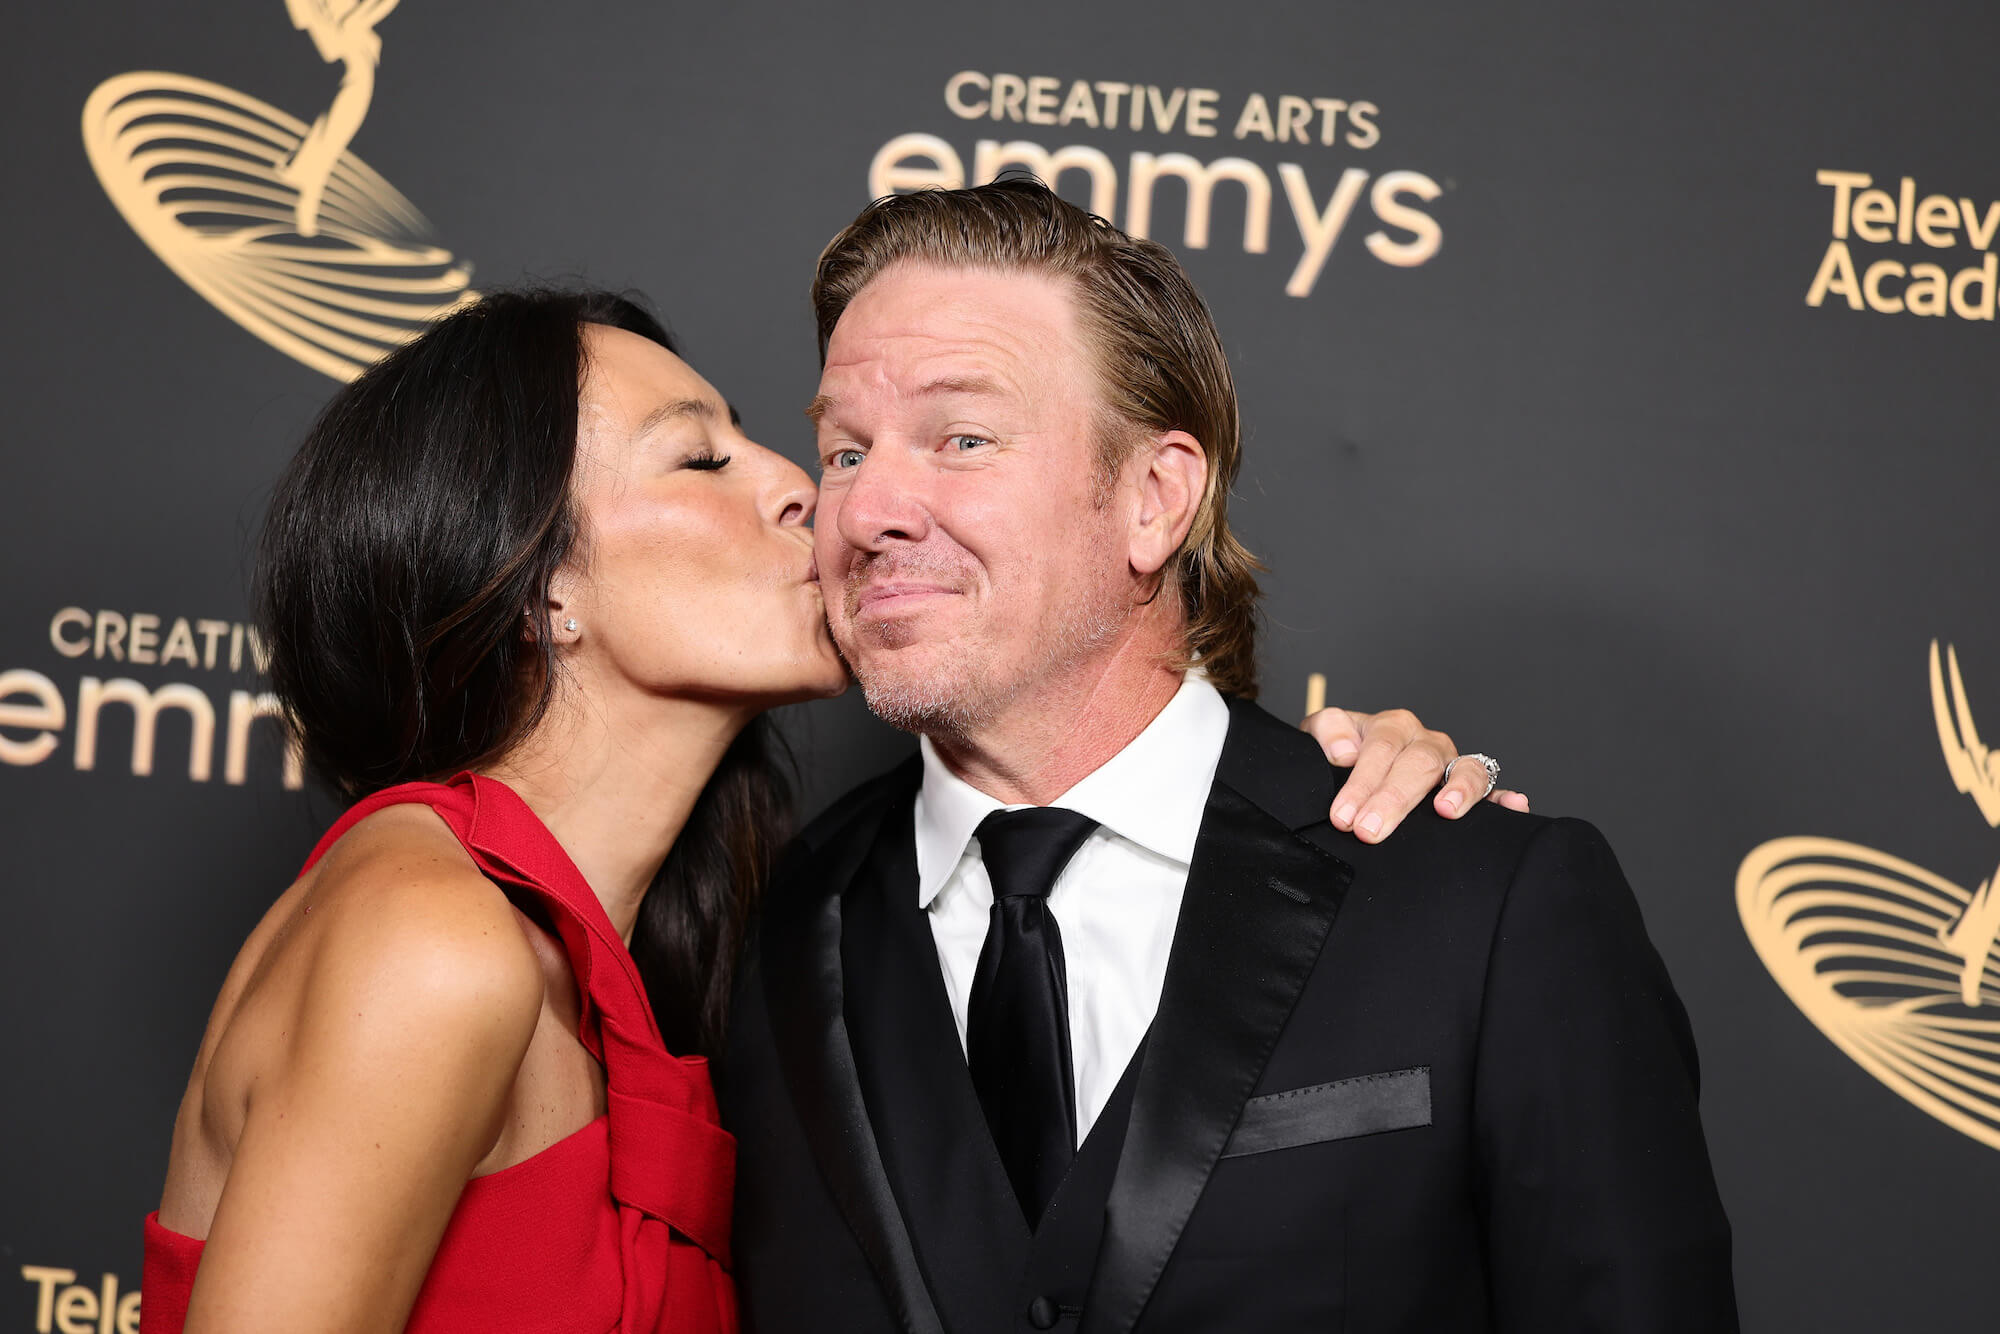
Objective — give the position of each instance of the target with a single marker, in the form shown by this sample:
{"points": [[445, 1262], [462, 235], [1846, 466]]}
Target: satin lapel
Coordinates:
{"points": [[805, 990], [1259, 903], [970, 1237]]}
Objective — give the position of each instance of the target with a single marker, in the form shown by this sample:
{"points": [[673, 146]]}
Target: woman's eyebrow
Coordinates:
{"points": [[703, 408]]}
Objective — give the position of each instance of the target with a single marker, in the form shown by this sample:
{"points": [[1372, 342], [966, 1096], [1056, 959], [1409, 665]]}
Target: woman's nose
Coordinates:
{"points": [[794, 496], [785, 493]]}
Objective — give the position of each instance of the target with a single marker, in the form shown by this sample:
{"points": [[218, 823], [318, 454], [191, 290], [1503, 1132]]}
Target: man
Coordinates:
{"points": [[1088, 1018]]}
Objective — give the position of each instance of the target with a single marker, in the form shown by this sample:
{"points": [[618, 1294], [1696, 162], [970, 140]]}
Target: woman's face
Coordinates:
{"points": [[695, 576]]}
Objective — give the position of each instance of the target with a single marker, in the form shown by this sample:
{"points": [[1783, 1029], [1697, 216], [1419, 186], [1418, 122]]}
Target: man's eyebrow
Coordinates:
{"points": [[818, 408], [702, 408]]}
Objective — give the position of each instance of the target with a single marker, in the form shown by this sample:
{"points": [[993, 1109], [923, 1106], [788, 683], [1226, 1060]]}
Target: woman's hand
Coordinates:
{"points": [[1396, 760]]}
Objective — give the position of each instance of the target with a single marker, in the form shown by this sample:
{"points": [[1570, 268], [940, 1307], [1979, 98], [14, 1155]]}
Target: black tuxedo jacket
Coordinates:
{"points": [[1439, 1084]]}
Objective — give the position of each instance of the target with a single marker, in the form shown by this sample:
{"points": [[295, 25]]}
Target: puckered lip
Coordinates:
{"points": [[894, 595]]}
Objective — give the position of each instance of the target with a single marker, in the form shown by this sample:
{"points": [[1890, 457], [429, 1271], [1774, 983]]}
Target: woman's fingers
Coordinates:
{"points": [[1398, 761], [1337, 732], [1464, 789]]}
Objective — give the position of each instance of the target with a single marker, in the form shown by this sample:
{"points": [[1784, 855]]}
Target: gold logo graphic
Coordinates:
{"points": [[275, 222], [1893, 963]]}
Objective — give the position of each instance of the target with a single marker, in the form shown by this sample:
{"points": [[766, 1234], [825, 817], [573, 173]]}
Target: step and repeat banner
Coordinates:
{"points": [[1619, 388]]}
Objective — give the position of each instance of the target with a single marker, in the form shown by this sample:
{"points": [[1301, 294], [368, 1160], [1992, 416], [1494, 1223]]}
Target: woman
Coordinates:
{"points": [[529, 591]]}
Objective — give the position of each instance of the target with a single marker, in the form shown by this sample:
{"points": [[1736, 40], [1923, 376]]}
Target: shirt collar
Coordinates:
{"points": [[1152, 792]]}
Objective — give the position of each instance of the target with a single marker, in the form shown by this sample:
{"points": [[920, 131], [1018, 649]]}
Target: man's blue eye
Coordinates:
{"points": [[970, 441], [845, 458]]}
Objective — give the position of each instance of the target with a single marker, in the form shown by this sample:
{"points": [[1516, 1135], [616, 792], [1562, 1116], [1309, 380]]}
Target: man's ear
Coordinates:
{"points": [[1172, 476]]}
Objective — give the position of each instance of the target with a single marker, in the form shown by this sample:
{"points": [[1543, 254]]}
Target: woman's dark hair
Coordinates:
{"points": [[403, 580]]}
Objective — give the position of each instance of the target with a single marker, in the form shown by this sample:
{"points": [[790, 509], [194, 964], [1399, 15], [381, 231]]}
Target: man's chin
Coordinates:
{"points": [[921, 692], [923, 712]]}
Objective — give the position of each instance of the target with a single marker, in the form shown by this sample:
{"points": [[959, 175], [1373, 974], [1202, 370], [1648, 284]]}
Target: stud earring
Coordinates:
{"points": [[570, 625]]}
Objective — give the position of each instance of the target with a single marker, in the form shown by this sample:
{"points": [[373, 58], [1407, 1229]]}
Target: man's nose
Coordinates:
{"points": [[884, 504]]}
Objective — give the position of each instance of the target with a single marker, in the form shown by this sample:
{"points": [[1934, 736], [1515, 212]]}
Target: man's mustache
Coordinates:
{"points": [[927, 565]]}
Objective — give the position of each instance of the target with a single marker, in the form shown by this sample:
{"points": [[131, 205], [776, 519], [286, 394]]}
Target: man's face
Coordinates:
{"points": [[965, 558]]}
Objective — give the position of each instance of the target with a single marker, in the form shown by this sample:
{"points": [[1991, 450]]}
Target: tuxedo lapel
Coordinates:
{"points": [[805, 990], [1259, 902], [971, 1239]]}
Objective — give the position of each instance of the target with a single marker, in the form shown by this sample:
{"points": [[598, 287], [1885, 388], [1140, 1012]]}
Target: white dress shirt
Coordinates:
{"points": [[1115, 903]]}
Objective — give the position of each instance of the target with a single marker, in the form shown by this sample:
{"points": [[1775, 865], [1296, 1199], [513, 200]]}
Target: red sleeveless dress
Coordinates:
{"points": [[623, 1226]]}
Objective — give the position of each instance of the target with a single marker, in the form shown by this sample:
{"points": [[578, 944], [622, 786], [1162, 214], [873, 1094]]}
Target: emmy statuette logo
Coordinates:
{"points": [[1895, 964], [272, 220]]}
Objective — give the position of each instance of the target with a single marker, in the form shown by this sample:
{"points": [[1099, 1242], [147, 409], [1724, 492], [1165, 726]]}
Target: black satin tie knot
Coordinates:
{"points": [[1017, 1024]]}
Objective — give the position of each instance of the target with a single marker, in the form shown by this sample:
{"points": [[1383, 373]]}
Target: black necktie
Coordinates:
{"points": [[1017, 1026]]}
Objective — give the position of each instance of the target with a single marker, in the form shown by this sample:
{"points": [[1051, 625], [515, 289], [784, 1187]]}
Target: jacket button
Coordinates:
{"points": [[1042, 1313]]}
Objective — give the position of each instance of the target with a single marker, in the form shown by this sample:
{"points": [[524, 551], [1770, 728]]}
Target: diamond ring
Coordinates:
{"points": [[1492, 772]]}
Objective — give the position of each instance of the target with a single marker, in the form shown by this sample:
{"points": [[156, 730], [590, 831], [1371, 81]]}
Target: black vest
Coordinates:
{"points": [[985, 1271]]}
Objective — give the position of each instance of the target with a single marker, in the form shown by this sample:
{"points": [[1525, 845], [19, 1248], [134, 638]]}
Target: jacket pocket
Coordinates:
{"points": [[1365, 1105]]}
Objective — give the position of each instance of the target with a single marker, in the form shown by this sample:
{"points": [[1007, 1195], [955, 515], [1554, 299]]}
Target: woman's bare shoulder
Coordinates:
{"points": [[401, 917], [394, 963]]}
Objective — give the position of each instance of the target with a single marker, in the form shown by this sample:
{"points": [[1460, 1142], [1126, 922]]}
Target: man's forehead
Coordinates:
{"points": [[934, 354], [913, 300], [928, 333], [945, 378]]}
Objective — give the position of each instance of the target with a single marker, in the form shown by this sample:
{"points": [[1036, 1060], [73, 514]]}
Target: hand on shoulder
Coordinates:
{"points": [[1396, 762]]}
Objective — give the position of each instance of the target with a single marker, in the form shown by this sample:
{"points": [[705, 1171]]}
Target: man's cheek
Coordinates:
{"points": [[835, 561], [826, 532]]}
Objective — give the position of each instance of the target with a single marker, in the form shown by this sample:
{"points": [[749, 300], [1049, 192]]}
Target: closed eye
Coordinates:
{"points": [[708, 462]]}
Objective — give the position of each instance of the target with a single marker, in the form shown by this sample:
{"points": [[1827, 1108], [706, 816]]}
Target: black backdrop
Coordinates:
{"points": [[1594, 485]]}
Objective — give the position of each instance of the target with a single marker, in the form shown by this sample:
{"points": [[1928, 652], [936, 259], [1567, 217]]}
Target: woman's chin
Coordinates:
{"points": [[831, 685], [824, 682]]}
